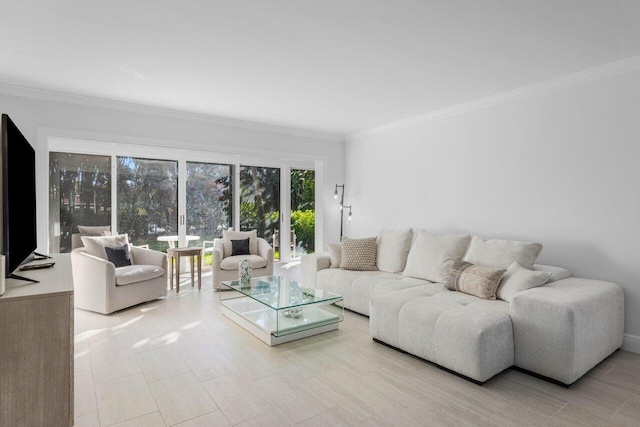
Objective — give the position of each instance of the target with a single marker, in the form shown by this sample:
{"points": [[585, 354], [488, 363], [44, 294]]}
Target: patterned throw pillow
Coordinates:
{"points": [[359, 254], [475, 280]]}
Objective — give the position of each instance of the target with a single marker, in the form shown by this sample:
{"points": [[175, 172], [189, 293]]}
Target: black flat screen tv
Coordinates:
{"points": [[18, 176]]}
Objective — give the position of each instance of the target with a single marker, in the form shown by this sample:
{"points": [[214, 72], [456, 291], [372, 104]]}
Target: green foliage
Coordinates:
{"points": [[303, 189], [304, 225]]}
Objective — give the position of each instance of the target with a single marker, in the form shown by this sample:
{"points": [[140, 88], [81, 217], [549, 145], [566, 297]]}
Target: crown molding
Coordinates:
{"points": [[596, 73], [89, 101]]}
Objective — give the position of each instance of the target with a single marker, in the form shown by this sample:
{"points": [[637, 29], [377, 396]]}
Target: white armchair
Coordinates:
{"points": [[101, 287], [225, 266]]}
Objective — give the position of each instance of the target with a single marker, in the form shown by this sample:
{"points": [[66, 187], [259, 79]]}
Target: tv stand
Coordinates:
{"points": [[38, 256], [36, 348], [26, 279]]}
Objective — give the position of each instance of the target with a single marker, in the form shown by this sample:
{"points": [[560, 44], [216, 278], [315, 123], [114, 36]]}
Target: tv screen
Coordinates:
{"points": [[18, 197]]}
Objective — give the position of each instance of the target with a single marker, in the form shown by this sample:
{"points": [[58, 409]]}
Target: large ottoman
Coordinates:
{"points": [[462, 333]]}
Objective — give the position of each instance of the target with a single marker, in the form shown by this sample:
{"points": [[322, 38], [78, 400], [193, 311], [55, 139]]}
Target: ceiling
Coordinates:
{"points": [[336, 66]]}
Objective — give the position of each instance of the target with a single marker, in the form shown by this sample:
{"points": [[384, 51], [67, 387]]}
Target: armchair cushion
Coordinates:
{"points": [[137, 273], [96, 245], [233, 262], [228, 236]]}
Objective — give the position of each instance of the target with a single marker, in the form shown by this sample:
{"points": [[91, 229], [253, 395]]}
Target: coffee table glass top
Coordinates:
{"points": [[281, 293]]}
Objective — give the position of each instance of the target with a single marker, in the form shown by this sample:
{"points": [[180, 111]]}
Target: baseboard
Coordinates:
{"points": [[631, 343]]}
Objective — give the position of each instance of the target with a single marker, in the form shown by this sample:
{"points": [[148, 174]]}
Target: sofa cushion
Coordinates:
{"points": [[393, 249], [432, 255], [233, 262], [474, 342], [359, 254], [471, 336], [335, 254], [137, 273], [502, 253], [557, 273], [95, 245], [358, 287], [518, 279], [228, 236], [475, 280]]}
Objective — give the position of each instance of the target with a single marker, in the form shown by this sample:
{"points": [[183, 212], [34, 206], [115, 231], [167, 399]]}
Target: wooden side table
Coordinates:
{"points": [[175, 254]]}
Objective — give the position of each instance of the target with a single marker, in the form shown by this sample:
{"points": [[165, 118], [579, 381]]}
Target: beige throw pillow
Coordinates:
{"points": [[393, 249], [502, 253], [359, 254], [335, 254], [432, 255], [91, 230], [228, 236], [475, 280], [95, 245], [518, 279]]}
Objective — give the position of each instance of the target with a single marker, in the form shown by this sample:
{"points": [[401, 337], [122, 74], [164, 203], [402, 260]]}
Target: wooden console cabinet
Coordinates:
{"points": [[36, 348]]}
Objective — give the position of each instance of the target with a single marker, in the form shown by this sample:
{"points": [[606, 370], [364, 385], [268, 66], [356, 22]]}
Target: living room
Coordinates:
{"points": [[512, 122]]}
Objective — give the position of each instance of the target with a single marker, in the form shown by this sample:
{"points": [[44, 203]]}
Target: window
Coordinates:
{"points": [[79, 194]]}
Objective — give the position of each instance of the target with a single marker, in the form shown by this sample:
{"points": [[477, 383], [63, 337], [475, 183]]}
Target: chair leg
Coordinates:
{"points": [[199, 272], [177, 274], [171, 271], [192, 272]]}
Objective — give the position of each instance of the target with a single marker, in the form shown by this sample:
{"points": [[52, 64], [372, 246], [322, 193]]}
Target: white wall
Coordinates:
{"points": [[32, 115], [560, 168]]}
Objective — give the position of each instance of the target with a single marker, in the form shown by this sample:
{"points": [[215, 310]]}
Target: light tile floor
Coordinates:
{"points": [[178, 361]]}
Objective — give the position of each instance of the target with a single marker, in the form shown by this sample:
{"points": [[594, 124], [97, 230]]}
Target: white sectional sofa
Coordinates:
{"points": [[559, 330]]}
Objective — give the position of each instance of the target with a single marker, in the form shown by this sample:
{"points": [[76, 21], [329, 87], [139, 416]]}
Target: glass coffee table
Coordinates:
{"points": [[279, 310]]}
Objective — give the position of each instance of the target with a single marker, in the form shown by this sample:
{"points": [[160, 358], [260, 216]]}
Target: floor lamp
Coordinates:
{"points": [[342, 207]]}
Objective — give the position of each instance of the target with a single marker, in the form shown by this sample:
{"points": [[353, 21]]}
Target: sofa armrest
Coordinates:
{"points": [[265, 250], [563, 329], [93, 279], [142, 256], [311, 264]]}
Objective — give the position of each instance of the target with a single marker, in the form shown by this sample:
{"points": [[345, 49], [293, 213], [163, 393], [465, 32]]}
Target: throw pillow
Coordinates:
{"points": [[475, 280], [393, 249], [118, 255], [335, 254], [502, 253], [88, 230], [557, 273], [95, 245], [228, 236], [518, 279], [432, 255], [359, 254], [240, 247]]}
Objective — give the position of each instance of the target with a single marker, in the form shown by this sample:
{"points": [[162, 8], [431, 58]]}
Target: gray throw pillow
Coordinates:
{"points": [[502, 253], [393, 249], [518, 279], [240, 247], [432, 255], [335, 254], [118, 255], [359, 254]]}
